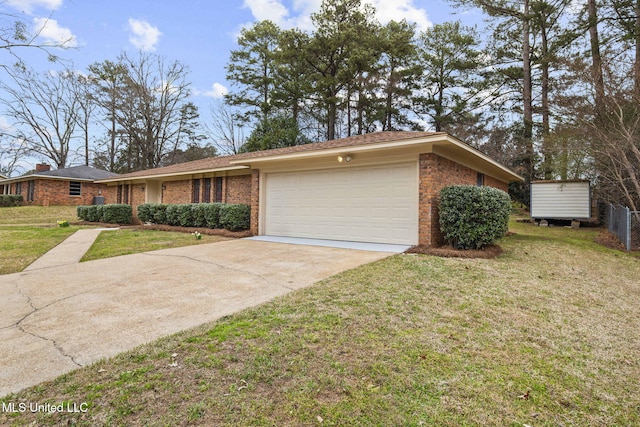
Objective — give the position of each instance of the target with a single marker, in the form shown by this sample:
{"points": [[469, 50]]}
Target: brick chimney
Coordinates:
{"points": [[41, 167]]}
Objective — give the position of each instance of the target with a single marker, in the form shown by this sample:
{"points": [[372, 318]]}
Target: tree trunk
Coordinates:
{"points": [[546, 126], [598, 80], [526, 94], [636, 64]]}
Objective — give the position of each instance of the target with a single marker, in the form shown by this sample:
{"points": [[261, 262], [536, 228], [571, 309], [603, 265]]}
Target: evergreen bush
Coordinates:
{"points": [[172, 215], [115, 213], [212, 215], [473, 217], [235, 217], [10, 200], [145, 212]]}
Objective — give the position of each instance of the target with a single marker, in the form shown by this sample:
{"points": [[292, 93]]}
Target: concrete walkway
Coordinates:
{"points": [[56, 318], [70, 251]]}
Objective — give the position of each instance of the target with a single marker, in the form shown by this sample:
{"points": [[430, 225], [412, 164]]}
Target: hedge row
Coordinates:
{"points": [[233, 217], [473, 217], [112, 214], [9, 200]]}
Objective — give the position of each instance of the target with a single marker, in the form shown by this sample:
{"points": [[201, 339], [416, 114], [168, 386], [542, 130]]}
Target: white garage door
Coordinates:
{"points": [[368, 204]]}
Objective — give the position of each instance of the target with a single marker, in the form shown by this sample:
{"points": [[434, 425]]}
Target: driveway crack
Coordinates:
{"points": [[238, 270], [18, 325]]}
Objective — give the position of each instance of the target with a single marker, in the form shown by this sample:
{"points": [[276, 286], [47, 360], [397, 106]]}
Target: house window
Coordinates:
{"points": [[31, 186], [206, 192], [195, 196], [75, 188], [480, 179], [18, 188], [123, 194], [219, 189]]}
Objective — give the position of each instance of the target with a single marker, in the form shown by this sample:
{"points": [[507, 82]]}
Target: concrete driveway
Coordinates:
{"points": [[56, 319]]}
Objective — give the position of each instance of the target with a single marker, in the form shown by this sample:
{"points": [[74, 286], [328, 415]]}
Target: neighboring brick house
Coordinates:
{"points": [[381, 187], [67, 187]]}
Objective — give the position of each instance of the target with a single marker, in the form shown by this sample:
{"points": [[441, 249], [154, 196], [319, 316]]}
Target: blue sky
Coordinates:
{"points": [[198, 33]]}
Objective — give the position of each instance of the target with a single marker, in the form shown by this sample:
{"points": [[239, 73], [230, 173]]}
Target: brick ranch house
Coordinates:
{"points": [[380, 187], [67, 187]]}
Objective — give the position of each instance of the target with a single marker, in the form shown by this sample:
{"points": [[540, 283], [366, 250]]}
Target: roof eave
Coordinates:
{"points": [[435, 139], [170, 174], [503, 169], [35, 176], [376, 146]]}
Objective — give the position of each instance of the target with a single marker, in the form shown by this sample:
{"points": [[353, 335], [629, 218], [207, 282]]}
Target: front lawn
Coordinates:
{"points": [[547, 334], [131, 241], [21, 245], [28, 232]]}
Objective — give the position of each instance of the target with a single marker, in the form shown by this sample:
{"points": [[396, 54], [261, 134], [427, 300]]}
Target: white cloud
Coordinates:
{"points": [[5, 125], [54, 34], [217, 91], [27, 6], [145, 36], [297, 13], [397, 10], [272, 10]]}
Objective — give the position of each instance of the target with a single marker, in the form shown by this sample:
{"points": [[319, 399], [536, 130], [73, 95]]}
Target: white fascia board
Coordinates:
{"points": [[165, 175], [339, 150], [483, 156], [34, 176]]}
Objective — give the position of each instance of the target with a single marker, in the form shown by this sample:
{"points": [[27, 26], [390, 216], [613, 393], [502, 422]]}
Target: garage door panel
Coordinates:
{"points": [[373, 204]]}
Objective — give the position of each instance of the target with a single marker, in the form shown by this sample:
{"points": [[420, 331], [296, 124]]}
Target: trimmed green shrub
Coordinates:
{"points": [[145, 212], [172, 215], [199, 212], [212, 215], [473, 217], [235, 217], [93, 214], [82, 212], [159, 214], [185, 215], [116, 213], [10, 200]]}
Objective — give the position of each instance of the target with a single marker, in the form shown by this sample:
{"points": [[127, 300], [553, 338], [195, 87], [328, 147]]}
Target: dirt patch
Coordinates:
{"points": [[608, 239], [449, 251], [162, 227]]}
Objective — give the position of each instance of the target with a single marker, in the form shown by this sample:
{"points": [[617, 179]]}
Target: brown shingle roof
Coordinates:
{"points": [[225, 161], [352, 141]]}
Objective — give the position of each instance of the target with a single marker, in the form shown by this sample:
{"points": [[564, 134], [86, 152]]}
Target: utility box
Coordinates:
{"points": [[98, 200], [570, 200]]}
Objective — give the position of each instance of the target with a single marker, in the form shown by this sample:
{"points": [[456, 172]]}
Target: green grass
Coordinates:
{"points": [[547, 334], [128, 241], [21, 245], [28, 232], [37, 215]]}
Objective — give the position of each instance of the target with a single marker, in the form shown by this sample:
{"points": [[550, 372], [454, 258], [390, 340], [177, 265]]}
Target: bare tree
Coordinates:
{"points": [[150, 96], [224, 129], [12, 151], [617, 149], [15, 36], [44, 112], [81, 85]]}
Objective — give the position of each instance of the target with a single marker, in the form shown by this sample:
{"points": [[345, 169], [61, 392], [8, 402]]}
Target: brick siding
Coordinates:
{"points": [[255, 201], [238, 189], [50, 192], [436, 173]]}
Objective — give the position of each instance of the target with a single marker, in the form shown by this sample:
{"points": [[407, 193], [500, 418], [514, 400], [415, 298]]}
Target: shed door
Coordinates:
{"points": [[368, 204]]}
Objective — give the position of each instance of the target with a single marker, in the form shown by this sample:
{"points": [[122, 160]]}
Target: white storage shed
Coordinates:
{"points": [[561, 200]]}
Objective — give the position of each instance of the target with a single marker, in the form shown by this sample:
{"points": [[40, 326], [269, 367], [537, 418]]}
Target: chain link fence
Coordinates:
{"points": [[635, 230], [625, 225]]}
